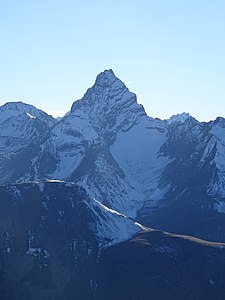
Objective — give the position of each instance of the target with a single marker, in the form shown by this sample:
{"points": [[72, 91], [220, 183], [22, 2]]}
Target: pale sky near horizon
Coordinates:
{"points": [[171, 53]]}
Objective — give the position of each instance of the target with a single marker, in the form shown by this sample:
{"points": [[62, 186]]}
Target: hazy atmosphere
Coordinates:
{"points": [[170, 53]]}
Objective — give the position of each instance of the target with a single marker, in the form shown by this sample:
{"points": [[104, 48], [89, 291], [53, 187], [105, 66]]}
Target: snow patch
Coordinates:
{"points": [[29, 115], [110, 226], [137, 153]]}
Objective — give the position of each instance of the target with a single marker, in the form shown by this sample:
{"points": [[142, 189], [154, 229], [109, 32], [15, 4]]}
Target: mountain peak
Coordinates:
{"points": [[106, 87], [108, 72], [179, 118], [107, 79], [108, 106], [15, 109], [17, 105]]}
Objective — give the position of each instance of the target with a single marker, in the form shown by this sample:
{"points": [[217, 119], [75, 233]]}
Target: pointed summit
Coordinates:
{"points": [[106, 90], [109, 106], [108, 79], [178, 118], [107, 73]]}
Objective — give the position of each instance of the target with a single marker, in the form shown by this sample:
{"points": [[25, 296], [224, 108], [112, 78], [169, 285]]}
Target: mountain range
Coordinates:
{"points": [[80, 196]]}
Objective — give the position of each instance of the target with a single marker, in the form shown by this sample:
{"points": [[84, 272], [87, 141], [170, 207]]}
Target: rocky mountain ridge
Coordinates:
{"points": [[130, 162], [75, 191]]}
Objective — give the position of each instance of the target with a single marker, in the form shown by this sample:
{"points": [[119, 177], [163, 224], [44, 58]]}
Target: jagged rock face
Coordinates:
{"points": [[194, 203], [109, 106]]}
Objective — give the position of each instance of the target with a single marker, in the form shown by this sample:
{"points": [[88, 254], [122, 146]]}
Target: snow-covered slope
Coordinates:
{"points": [[111, 227], [137, 152]]}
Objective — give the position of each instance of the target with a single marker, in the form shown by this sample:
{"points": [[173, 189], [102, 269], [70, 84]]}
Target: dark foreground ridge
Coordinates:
{"points": [[51, 248], [159, 265]]}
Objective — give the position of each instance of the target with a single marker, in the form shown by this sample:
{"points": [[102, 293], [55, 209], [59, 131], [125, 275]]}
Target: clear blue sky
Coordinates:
{"points": [[171, 53]]}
